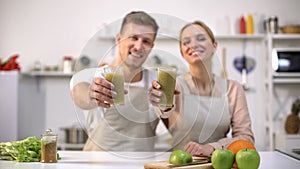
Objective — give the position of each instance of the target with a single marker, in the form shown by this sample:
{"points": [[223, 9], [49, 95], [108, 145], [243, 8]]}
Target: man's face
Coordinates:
{"points": [[135, 44]]}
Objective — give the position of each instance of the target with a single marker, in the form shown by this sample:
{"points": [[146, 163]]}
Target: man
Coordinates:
{"points": [[128, 127]]}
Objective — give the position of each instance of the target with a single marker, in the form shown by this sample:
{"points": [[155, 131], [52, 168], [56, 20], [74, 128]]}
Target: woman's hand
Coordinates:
{"points": [[155, 93], [196, 149]]}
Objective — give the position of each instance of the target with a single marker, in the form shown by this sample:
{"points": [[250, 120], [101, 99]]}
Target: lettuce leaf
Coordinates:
{"points": [[27, 150]]}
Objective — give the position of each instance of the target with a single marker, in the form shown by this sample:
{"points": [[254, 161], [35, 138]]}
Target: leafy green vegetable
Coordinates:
{"points": [[27, 150]]}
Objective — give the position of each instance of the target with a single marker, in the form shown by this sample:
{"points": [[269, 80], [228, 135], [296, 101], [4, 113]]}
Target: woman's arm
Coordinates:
{"points": [[168, 115]]}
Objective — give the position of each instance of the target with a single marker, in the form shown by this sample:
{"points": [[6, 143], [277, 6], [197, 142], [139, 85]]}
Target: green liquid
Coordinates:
{"points": [[167, 80], [118, 81]]}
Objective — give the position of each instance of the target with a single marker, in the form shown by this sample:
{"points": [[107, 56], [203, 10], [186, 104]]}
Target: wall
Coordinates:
{"points": [[47, 30]]}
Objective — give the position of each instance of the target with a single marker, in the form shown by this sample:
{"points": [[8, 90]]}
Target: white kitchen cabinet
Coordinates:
{"points": [[45, 102], [48, 74], [8, 105], [282, 91]]}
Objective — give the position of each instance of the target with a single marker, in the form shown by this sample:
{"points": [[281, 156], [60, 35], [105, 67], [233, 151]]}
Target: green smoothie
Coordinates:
{"points": [[118, 80], [167, 81]]}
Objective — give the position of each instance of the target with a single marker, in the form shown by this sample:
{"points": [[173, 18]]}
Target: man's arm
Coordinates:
{"points": [[81, 97]]}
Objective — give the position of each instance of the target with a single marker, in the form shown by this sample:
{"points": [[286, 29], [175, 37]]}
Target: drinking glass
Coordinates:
{"points": [[115, 75], [167, 80]]}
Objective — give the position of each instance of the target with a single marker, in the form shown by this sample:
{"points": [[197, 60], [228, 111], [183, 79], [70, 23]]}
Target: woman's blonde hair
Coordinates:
{"points": [[204, 26]]}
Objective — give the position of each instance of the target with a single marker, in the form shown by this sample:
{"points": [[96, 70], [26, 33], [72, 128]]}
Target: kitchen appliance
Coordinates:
{"points": [[82, 63], [286, 62], [74, 135]]}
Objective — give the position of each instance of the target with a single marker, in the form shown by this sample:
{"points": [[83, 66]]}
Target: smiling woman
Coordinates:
{"points": [[207, 106]]}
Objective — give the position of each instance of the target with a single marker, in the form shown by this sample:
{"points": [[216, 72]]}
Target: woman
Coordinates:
{"points": [[207, 106]]}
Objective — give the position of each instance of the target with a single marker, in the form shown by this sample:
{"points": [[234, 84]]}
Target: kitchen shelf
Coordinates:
{"points": [[219, 37], [38, 75], [292, 80], [48, 74], [159, 37], [280, 81], [285, 36], [240, 37]]}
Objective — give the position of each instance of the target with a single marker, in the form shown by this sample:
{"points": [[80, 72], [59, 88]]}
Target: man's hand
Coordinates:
{"points": [[101, 92]]}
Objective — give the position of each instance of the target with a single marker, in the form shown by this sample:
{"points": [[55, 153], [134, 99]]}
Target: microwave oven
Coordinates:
{"points": [[286, 62]]}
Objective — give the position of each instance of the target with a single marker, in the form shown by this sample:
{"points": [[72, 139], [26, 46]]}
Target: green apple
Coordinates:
{"points": [[222, 159], [180, 157], [247, 159]]}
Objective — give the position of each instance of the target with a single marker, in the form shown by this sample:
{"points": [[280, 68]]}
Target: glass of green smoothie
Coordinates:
{"points": [[167, 80], [115, 75]]}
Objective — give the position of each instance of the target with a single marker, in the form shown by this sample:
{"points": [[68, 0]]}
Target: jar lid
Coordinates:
{"points": [[67, 57], [273, 17], [49, 132]]}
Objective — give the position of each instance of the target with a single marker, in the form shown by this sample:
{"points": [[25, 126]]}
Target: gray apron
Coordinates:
{"points": [[128, 127], [203, 119]]}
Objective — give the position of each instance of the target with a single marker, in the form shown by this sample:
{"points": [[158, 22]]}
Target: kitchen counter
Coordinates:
{"points": [[134, 160]]}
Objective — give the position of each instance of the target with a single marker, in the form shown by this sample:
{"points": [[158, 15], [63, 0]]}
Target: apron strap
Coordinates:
{"points": [[184, 85], [216, 111], [146, 78]]}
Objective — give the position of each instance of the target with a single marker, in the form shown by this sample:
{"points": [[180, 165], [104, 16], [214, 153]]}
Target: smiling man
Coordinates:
{"points": [[128, 127]]}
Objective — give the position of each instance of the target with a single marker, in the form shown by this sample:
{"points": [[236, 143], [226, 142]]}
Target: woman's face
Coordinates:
{"points": [[196, 45]]}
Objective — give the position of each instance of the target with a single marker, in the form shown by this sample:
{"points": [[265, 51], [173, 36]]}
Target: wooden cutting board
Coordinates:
{"points": [[164, 165]]}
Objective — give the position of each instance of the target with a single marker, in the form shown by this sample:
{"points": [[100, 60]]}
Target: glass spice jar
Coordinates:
{"points": [[49, 147], [68, 64]]}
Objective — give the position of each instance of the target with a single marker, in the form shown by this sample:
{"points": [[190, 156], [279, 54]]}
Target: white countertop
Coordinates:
{"points": [[133, 160]]}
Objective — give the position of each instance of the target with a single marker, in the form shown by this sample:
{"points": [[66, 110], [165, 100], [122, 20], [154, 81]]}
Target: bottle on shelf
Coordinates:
{"points": [[250, 25], [68, 64], [242, 25]]}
